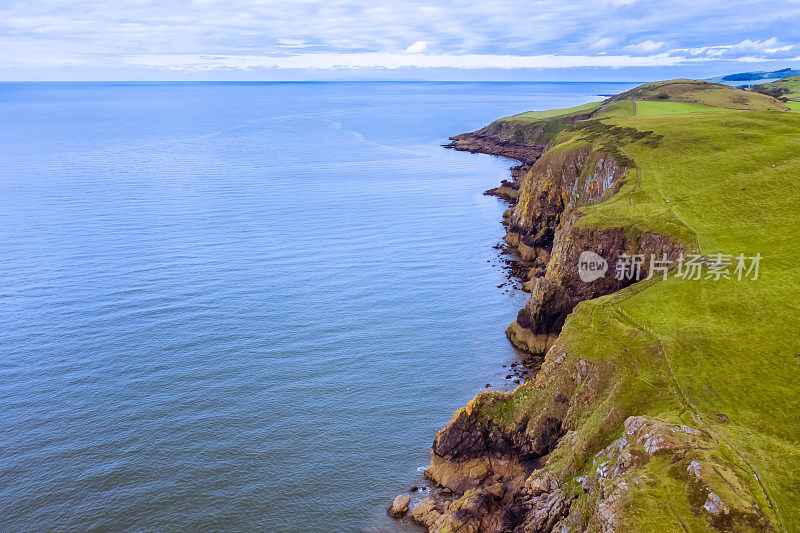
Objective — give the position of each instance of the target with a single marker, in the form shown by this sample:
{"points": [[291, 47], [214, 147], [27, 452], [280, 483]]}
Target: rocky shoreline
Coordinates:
{"points": [[618, 429], [480, 143], [491, 463]]}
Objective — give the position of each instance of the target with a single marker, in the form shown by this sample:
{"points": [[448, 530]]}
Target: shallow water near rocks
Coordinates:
{"points": [[243, 306]]}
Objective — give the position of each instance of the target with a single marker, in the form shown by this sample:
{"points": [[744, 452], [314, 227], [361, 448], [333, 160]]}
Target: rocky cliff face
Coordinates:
{"points": [[511, 460], [494, 446], [549, 456], [544, 227]]}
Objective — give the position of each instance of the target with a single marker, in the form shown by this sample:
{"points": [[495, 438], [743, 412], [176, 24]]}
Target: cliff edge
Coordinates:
{"points": [[666, 401]]}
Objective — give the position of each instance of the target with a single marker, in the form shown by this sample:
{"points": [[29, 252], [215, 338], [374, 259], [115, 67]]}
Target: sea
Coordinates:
{"points": [[244, 306]]}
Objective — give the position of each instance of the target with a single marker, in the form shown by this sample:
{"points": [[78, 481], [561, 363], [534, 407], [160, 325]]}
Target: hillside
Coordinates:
{"points": [[701, 93], [667, 404], [538, 128], [788, 88]]}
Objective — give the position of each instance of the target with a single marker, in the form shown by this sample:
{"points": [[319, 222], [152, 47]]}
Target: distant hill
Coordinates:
{"points": [[750, 78], [787, 88]]}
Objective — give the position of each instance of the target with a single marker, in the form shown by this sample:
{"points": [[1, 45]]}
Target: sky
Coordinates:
{"points": [[540, 40]]}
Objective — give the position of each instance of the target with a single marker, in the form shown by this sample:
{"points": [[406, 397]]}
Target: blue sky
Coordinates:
{"points": [[628, 40]]}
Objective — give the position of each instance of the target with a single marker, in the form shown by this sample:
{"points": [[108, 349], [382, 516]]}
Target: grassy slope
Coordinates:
{"points": [[645, 107], [685, 351], [552, 113], [790, 85], [699, 92], [537, 127], [542, 127], [732, 344]]}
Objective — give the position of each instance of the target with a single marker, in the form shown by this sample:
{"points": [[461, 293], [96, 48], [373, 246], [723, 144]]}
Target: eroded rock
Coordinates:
{"points": [[400, 506]]}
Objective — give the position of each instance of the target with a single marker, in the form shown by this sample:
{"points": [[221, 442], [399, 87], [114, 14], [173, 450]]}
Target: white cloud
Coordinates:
{"points": [[397, 60], [767, 46], [417, 48], [645, 46], [602, 44], [230, 34], [292, 43]]}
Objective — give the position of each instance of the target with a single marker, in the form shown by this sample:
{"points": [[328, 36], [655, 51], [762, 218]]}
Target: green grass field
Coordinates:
{"points": [[667, 97], [721, 355], [644, 108], [701, 92], [731, 178]]}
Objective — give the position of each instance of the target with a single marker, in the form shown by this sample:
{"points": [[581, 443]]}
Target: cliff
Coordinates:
{"points": [[665, 403]]}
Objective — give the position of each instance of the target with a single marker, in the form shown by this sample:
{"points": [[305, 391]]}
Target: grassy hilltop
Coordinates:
{"points": [[717, 170], [725, 347], [785, 89], [666, 97]]}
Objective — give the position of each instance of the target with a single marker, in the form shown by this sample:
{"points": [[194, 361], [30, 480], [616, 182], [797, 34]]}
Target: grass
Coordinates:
{"points": [[702, 92], [644, 108], [616, 109], [721, 181], [537, 127], [674, 96], [732, 346], [552, 113], [785, 88]]}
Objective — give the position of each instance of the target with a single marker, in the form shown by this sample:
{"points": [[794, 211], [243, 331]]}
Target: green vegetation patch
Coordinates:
{"points": [[787, 88], [538, 127], [552, 113], [727, 350], [644, 108], [623, 108], [701, 92]]}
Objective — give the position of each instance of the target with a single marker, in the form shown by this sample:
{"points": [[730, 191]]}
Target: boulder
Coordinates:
{"points": [[400, 506]]}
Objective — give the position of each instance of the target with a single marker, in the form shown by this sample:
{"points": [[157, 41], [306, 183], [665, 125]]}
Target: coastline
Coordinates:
{"points": [[494, 477], [570, 449]]}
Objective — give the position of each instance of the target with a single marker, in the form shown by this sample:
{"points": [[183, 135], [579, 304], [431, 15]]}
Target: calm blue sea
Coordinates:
{"points": [[243, 307]]}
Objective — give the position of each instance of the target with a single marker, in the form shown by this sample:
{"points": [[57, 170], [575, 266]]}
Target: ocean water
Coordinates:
{"points": [[243, 307]]}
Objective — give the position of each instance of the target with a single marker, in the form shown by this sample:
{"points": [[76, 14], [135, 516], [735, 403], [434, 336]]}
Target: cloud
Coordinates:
{"points": [[602, 44], [645, 46], [290, 43], [397, 60], [767, 46], [331, 34], [417, 48]]}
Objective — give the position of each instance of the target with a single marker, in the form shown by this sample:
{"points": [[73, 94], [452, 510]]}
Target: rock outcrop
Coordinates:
{"points": [[492, 451], [400, 506], [481, 143], [511, 461], [716, 488], [545, 227]]}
